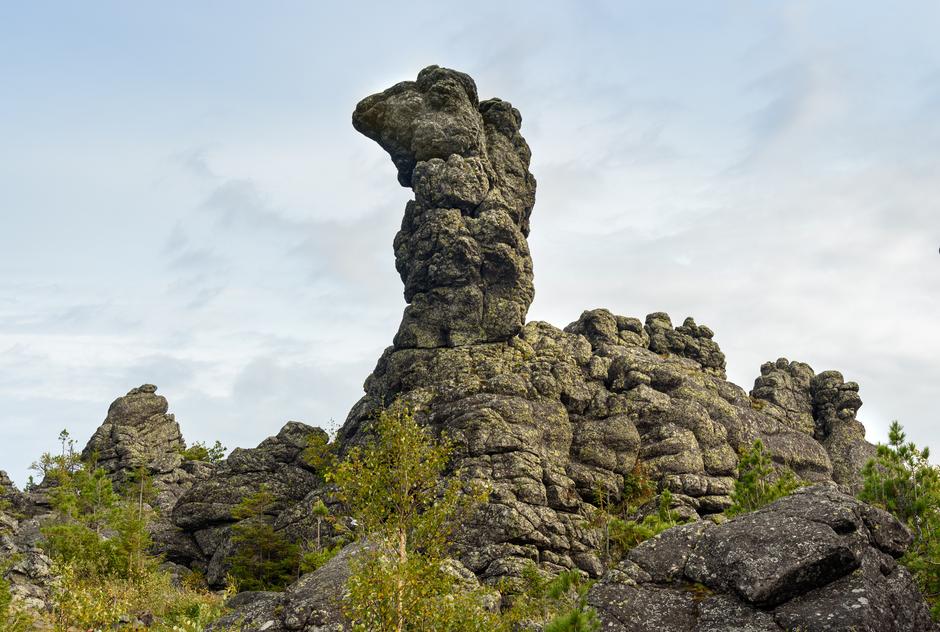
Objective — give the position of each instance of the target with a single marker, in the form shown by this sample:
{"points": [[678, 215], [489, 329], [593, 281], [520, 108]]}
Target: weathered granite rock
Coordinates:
{"points": [[462, 250], [823, 406], [25, 567], [203, 514], [551, 419], [16, 502], [816, 560]]}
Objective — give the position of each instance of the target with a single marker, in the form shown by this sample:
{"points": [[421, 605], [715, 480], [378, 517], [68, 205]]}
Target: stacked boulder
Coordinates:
{"points": [[204, 514], [139, 435]]}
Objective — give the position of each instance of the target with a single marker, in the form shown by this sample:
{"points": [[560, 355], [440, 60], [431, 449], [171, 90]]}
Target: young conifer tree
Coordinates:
{"points": [[406, 512]]}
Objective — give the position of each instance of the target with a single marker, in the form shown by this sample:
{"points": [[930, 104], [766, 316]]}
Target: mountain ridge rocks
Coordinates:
{"points": [[816, 560]]}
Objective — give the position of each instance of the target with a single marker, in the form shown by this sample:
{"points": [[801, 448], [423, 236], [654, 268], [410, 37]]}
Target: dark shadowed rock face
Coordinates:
{"points": [[203, 516], [817, 560], [550, 418]]}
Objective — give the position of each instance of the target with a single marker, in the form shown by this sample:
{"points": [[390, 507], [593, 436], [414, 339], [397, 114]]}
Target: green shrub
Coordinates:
{"points": [[99, 542], [560, 603], [627, 534], [901, 480], [199, 451], [758, 483]]}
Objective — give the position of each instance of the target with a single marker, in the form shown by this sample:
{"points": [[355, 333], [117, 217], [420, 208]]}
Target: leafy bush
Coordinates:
{"points": [[901, 480], [89, 603], [85, 508], [758, 483], [622, 527], [200, 452], [99, 542], [319, 454], [560, 601]]}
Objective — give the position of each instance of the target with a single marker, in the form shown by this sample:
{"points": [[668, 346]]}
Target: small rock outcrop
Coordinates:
{"points": [[311, 604], [815, 561], [139, 433], [24, 566], [550, 418], [203, 515], [824, 406]]}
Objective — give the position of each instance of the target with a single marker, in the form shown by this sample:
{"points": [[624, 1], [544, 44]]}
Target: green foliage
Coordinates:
{"points": [[622, 527], [85, 508], [199, 451], [627, 534], [264, 559], [406, 511], [312, 560], [319, 454], [99, 542], [93, 603], [560, 601], [758, 483], [901, 480]]}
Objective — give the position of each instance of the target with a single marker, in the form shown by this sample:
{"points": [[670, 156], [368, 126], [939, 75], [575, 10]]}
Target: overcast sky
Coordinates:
{"points": [[184, 201]]}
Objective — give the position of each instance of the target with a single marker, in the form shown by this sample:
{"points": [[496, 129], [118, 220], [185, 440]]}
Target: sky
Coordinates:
{"points": [[184, 202]]}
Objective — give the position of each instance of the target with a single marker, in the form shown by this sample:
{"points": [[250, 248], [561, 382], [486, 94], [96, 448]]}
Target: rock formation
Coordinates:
{"points": [[203, 514], [137, 433], [550, 418], [816, 560], [461, 251]]}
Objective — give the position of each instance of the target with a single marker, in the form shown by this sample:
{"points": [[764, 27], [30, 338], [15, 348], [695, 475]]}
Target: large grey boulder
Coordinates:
{"points": [[816, 560]]}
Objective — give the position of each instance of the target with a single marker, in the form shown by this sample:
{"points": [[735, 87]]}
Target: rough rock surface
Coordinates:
{"points": [[461, 251], [138, 433], [203, 514], [25, 567], [311, 604], [814, 561], [548, 417]]}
